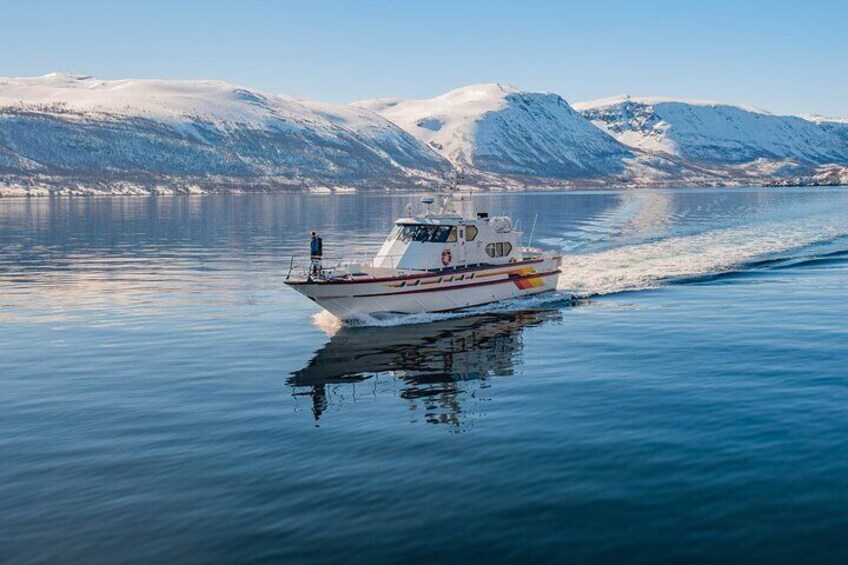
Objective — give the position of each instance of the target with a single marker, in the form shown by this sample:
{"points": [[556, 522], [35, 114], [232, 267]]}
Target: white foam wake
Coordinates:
{"points": [[649, 265]]}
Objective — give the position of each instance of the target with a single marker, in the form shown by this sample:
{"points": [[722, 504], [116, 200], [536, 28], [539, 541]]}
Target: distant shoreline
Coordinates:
{"points": [[66, 192]]}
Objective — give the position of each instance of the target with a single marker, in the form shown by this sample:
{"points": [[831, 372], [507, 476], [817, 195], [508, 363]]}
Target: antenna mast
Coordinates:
{"points": [[448, 203]]}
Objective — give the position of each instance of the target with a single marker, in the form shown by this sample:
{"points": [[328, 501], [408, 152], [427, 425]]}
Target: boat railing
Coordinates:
{"points": [[301, 267]]}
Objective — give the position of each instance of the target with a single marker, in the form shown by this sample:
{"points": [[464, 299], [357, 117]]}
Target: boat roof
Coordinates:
{"points": [[436, 220]]}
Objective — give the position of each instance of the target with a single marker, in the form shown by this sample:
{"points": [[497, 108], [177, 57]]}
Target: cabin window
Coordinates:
{"points": [[444, 234], [430, 234], [499, 249], [470, 233], [425, 233], [407, 233]]}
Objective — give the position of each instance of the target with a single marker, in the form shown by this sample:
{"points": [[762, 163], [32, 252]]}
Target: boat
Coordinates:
{"points": [[444, 258]]}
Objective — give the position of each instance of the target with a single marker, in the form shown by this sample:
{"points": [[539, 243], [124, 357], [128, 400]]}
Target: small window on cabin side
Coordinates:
{"points": [[499, 249], [470, 233], [452, 236]]}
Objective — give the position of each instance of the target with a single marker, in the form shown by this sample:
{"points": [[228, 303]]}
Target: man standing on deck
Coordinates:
{"points": [[316, 250]]}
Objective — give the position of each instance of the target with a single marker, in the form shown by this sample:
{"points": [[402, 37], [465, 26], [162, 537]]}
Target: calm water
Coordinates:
{"points": [[164, 396]]}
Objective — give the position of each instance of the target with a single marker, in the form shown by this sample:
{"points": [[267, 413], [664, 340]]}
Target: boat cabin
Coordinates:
{"points": [[449, 241]]}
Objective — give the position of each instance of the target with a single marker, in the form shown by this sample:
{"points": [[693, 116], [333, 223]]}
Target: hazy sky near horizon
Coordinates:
{"points": [[785, 56]]}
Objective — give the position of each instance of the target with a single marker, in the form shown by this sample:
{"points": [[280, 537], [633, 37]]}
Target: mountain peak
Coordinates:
{"points": [[64, 76], [112, 130], [500, 128], [714, 132], [482, 91], [656, 100]]}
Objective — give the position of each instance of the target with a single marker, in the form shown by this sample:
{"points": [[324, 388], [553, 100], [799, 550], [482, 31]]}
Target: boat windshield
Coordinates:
{"points": [[429, 234]]}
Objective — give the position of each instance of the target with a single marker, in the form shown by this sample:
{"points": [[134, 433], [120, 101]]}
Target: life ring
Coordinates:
{"points": [[446, 257]]}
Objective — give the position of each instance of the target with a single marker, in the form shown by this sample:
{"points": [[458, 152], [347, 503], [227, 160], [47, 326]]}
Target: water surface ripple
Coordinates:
{"points": [[165, 397]]}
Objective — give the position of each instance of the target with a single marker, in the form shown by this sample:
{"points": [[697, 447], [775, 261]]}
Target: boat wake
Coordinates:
{"points": [[653, 264], [657, 263]]}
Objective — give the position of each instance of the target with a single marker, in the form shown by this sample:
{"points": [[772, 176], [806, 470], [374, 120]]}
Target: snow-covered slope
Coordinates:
{"points": [[715, 134], [62, 126], [834, 126], [498, 128]]}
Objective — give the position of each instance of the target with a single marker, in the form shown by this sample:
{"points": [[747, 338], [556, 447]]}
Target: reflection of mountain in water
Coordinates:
{"points": [[433, 363]]}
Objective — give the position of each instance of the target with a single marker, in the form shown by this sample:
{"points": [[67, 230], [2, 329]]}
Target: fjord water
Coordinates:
{"points": [[164, 396]]}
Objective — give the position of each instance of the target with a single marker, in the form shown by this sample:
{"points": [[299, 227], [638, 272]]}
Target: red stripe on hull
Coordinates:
{"points": [[422, 274], [511, 279]]}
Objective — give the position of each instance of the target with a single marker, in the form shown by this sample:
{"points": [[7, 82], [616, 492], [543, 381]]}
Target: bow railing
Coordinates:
{"points": [[306, 267]]}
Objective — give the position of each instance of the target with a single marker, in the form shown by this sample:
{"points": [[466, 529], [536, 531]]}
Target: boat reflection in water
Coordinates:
{"points": [[434, 366]]}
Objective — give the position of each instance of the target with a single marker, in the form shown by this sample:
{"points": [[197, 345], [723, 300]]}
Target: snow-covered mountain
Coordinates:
{"points": [[62, 131], [501, 129], [714, 134], [61, 128]]}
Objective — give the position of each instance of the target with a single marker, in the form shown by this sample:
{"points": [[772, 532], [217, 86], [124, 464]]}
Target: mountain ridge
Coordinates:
{"points": [[718, 134], [67, 133], [502, 129], [77, 129]]}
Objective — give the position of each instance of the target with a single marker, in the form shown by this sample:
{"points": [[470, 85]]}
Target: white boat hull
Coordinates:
{"points": [[431, 291]]}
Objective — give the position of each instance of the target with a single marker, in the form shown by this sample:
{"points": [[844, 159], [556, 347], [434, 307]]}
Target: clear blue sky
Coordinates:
{"points": [[788, 57]]}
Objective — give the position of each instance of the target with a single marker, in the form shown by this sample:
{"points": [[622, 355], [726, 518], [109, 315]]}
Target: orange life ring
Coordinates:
{"points": [[446, 257]]}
